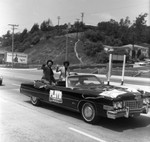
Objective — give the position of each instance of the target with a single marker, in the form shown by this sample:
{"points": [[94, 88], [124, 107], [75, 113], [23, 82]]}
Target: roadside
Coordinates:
{"points": [[132, 82]]}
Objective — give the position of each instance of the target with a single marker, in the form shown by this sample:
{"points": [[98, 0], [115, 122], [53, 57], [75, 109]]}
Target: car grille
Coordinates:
{"points": [[133, 104]]}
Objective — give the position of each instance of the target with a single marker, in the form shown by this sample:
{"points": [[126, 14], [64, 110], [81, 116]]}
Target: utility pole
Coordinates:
{"points": [[67, 30], [77, 28], [82, 15], [13, 28], [58, 19]]}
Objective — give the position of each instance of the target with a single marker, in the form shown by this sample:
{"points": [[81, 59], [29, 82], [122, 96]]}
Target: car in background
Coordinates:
{"points": [[1, 80], [89, 96]]}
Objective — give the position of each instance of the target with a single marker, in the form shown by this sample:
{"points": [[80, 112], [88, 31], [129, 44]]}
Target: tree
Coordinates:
{"points": [[94, 36], [91, 48], [124, 30], [46, 25], [110, 28], [140, 27], [102, 57], [77, 27], [7, 39], [23, 35], [34, 28]]}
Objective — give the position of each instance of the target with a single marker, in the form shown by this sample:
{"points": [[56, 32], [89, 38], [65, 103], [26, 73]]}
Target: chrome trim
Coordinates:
{"points": [[133, 104]]}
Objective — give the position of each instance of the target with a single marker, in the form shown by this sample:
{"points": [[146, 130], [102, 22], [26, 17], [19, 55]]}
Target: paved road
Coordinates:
{"points": [[22, 122]]}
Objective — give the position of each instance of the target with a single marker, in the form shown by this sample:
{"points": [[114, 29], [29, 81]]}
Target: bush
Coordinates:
{"points": [[102, 57], [94, 36], [91, 48], [35, 40], [25, 46]]}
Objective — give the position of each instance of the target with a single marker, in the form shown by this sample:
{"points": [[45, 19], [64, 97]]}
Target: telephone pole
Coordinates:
{"points": [[78, 28], [82, 16], [13, 28], [58, 19]]}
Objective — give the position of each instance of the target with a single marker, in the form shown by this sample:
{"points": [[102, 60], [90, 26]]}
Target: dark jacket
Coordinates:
{"points": [[48, 74]]}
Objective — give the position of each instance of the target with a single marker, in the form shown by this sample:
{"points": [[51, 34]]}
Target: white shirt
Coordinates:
{"points": [[64, 73]]}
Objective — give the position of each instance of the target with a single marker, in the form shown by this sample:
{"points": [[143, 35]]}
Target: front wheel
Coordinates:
{"points": [[88, 113], [35, 101]]}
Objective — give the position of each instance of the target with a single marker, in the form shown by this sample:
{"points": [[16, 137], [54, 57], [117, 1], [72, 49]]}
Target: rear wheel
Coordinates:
{"points": [[89, 113], [35, 101]]}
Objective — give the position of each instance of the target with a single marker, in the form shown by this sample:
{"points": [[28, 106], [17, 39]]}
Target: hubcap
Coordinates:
{"points": [[88, 112]]}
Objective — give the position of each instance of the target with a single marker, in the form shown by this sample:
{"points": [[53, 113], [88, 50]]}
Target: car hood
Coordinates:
{"points": [[112, 92]]}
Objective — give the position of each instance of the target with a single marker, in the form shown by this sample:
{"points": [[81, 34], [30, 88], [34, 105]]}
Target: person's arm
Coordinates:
{"points": [[57, 69], [43, 66]]}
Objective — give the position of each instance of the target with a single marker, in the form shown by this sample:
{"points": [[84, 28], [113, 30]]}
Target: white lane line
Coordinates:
{"points": [[18, 90], [85, 134], [3, 100], [16, 85]]}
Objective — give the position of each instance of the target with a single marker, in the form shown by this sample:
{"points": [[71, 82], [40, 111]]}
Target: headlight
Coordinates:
{"points": [[146, 101], [117, 105]]}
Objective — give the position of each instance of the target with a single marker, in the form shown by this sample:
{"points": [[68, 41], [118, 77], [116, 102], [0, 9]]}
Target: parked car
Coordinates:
{"points": [[1, 80], [89, 96]]}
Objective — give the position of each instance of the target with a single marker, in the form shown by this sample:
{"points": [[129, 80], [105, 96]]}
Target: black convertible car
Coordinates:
{"points": [[88, 95]]}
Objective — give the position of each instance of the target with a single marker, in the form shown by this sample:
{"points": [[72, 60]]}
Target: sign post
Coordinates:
{"points": [[109, 69], [123, 69]]}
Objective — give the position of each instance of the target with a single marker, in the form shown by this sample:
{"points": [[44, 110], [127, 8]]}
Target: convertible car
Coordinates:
{"points": [[88, 95]]}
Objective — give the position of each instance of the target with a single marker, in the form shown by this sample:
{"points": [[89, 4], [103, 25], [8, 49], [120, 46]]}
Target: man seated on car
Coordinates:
{"points": [[48, 75], [64, 71]]}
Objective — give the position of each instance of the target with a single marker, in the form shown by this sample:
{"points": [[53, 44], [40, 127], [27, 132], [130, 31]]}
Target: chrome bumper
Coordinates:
{"points": [[126, 112]]}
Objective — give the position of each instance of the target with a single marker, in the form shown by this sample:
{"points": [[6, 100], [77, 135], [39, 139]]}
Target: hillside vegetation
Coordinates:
{"points": [[46, 41]]}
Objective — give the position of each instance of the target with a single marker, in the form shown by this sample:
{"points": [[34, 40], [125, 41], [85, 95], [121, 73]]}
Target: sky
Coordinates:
{"points": [[26, 13]]}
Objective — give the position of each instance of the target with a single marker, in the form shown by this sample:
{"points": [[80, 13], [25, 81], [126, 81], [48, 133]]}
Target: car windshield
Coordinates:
{"points": [[83, 81]]}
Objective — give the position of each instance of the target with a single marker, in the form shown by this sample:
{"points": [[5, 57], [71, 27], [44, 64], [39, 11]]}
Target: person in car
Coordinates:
{"points": [[48, 75], [80, 82], [64, 70]]}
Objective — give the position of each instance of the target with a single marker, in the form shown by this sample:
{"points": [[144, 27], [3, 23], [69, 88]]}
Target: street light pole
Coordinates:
{"points": [[13, 28]]}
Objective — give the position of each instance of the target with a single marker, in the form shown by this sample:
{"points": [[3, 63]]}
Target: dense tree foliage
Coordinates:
{"points": [[35, 28], [92, 48], [46, 25]]}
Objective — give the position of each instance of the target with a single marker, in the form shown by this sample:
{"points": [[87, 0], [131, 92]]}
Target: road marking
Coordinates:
{"points": [[16, 90], [16, 85], [3, 100], [85, 134]]}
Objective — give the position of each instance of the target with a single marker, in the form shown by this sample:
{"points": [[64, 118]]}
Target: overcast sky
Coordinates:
{"points": [[27, 12]]}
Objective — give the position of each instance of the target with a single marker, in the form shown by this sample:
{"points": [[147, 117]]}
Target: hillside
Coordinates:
{"points": [[46, 41], [55, 49]]}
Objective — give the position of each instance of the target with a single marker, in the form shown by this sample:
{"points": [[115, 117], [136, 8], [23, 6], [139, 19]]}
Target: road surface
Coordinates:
{"points": [[20, 121]]}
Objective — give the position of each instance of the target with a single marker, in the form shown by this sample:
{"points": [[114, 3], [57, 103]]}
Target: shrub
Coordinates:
{"points": [[35, 40], [91, 48], [102, 57]]}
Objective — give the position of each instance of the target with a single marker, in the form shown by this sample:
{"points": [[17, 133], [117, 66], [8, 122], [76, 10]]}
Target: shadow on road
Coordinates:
{"points": [[119, 125], [122, 124], [59, 110]]}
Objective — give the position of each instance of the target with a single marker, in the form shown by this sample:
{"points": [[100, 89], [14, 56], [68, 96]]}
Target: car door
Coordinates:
{"points": [[64, 97]]}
